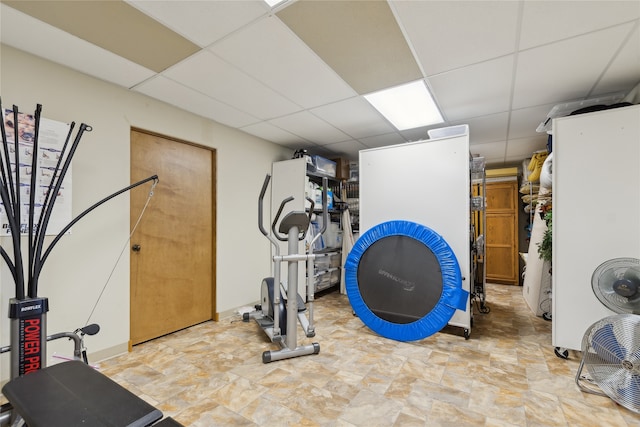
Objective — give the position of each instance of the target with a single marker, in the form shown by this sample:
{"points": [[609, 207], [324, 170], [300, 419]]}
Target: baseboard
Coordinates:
{"points": [[234, 312], [108, 353]]}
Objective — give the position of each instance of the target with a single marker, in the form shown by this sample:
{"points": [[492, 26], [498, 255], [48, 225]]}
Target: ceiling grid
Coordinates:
{"points": [[295, 74]]}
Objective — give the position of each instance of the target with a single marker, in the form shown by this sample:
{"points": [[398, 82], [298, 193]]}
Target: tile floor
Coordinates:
{"points": [[506, 374]]}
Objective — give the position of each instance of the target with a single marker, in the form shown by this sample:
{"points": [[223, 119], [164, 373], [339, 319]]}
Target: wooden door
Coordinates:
{"points": [[501, 239], [172, 250]]}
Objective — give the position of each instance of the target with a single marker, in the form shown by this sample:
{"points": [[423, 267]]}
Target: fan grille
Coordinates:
{"points": [[616, 284], [611, 355]]}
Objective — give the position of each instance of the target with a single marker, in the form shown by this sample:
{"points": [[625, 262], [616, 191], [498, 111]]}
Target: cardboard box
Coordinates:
{"points": [[342, 168]]}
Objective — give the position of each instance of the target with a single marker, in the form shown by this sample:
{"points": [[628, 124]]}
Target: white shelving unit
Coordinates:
{"points": [[289, 178]]}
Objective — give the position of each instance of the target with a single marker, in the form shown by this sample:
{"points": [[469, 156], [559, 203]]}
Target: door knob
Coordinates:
{"points": [[136, 247]]}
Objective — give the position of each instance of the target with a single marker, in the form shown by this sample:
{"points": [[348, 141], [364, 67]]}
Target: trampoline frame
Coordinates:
{"points": [[453, 297]]}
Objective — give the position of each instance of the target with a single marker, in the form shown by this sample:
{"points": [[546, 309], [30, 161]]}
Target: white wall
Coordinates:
{"points": [[80, 264]]}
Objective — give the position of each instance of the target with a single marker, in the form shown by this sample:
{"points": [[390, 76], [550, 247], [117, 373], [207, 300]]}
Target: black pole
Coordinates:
{"points": [[15, 231], [16, 139], [79, 217], [33, 286], [4, 160], [7, 158], [4, 196], [32, 188], [47, 197], [52, 182]]}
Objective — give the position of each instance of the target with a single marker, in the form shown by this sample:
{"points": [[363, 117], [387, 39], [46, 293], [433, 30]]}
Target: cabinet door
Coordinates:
{"points": [[499, 248], [502, 197], [501, 240]]}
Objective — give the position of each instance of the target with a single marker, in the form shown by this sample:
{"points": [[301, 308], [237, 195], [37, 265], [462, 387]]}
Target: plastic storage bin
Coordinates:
{"points": [[324, 166]]}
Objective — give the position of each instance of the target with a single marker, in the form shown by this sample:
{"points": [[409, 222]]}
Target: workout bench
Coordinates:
{"points": [[74, 394]]}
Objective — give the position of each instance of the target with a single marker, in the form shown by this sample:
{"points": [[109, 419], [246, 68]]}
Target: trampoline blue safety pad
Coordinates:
{"points": [[403, 281]]}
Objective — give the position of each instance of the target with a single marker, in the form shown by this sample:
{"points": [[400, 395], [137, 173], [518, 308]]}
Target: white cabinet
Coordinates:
{"points": [[596, 211], [426, 182]]}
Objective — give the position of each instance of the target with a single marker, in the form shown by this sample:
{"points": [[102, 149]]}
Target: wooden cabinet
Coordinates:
{"points": [[501, 239]]}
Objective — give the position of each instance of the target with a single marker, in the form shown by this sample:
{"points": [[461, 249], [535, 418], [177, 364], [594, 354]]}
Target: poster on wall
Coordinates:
{"points": [[51, 138]]}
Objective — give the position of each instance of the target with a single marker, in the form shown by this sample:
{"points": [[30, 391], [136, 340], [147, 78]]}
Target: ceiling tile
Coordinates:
{"points": [[521, 148], [548, 21], [383, 140], [360, 40], [45, 41], [310, 127], [188, 99], [467, 31], [272, 54], [476, 90], [207, 73], [202, 22], [346, 149], [486, 129], [493, 150], [355, 117], [298, 145], [624, 71], [541, 79], [275, 134], [523, 122], [137, 37]]}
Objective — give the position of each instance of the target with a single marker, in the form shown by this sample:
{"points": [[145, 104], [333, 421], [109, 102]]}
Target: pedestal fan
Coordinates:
{"points": [[616, 283], [611, 346]]}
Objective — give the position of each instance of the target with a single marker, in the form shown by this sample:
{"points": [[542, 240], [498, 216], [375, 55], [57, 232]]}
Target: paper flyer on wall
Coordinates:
{"points": [[51, 138]]}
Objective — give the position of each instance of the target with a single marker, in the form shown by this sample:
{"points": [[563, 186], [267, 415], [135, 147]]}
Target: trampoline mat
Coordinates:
{"points": [[400, 279]]}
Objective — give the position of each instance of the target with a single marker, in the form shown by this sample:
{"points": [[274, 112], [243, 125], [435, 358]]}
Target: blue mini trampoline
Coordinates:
{"points": [[403, 280]]}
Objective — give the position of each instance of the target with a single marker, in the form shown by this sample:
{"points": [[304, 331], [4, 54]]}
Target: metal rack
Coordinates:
{"points": [[477, 231]]}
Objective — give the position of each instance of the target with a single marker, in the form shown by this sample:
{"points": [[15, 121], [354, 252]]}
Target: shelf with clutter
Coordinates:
{"points": [[536, 190]]}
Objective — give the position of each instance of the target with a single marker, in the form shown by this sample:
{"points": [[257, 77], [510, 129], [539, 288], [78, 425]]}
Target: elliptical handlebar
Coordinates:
{"points": [[260, 202], [275, 220], [325, 212]]}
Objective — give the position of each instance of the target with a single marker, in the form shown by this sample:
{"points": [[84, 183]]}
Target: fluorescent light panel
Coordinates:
{"points": [[273, 3], [406, 106]]}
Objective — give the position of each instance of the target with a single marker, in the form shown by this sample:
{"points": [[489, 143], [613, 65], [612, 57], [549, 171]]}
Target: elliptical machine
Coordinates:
{"points": [[277, 319]]}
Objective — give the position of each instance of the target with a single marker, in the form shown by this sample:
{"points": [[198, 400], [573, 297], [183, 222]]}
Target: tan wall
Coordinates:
{"points": [[79, 266]]}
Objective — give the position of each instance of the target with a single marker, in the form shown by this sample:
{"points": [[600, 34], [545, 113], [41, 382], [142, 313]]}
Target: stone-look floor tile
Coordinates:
{"points": [[405, 420], [544, 409], [265, 412], [371, 409], [447, 414], [237, 394], [497, 404], [574, 411], [506, 374]]}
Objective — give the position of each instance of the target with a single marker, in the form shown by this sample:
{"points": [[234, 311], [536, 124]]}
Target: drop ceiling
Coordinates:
{"points": [[296, 74]]}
